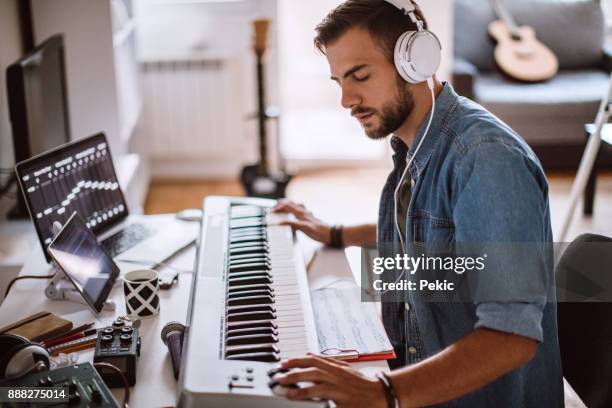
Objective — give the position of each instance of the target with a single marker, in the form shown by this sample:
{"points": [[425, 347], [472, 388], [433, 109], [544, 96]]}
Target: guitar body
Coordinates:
{"points": [[520, 55]]}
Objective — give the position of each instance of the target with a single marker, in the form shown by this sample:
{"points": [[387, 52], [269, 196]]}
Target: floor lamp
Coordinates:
{"points": [[588, 160]]}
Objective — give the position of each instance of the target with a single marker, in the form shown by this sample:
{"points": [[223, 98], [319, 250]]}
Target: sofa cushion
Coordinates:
{"points": [[545, 113], [572, 29]]}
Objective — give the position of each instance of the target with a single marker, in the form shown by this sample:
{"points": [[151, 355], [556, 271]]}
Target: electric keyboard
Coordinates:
{"points": [[249, 308]]}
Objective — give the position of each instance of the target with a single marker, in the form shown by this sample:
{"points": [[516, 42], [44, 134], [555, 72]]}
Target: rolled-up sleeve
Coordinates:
{"points": [[501, 204]]}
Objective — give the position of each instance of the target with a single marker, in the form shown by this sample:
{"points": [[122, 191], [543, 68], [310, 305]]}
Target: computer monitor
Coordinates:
{"points": [[38, 102]]}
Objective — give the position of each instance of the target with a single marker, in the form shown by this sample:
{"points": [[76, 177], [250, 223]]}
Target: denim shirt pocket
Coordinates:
{"points": [[430, 230]]}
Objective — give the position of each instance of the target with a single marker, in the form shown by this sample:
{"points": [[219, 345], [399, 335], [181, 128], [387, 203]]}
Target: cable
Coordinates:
{"points": [[10, 285], [430, 85], [126, 385]]}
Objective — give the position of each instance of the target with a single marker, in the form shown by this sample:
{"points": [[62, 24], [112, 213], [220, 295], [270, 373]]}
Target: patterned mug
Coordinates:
{"points": [[141, 289]]}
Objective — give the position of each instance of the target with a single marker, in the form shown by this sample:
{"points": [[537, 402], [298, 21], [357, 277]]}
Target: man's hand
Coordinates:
{"points": [[333, 380], [305, 221]]}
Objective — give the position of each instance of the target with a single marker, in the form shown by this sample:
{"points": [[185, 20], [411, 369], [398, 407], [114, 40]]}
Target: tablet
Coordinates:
{"points": [[85, 263]]}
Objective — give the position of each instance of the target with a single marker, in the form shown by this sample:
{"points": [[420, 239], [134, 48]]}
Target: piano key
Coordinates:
{"points": [[260, 307], [249, 280], [252, 324], [248, 256], [251, 316], [260, 259], [245, 288], [250, 266], [251, 348], [251, 292], [252, 339], [255, 249], [251, 300], [248, 238], [248, 224], [248, 331], [266, 357]]}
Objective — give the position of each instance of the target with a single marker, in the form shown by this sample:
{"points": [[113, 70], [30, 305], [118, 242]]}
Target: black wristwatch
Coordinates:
{"points": [[390, 395], [335, 236]]}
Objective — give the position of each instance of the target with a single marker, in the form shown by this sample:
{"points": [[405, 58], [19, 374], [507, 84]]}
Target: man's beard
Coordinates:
{"points": [[393, 113]]}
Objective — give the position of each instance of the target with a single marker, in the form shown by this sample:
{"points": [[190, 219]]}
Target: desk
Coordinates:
{"points": [[155, 384]]}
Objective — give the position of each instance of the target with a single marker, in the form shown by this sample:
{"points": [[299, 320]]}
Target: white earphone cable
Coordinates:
{"points": [[430, 85]]}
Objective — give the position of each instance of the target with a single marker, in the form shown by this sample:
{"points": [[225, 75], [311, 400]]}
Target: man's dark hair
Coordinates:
{"points": [[382, 20]]}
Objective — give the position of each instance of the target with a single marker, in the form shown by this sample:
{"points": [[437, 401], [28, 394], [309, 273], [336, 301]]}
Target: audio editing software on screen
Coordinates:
{"points": [[77, 178]]}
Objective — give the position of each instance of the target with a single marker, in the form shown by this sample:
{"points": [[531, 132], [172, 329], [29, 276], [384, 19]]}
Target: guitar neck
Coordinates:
{"points": [[503, 14]]}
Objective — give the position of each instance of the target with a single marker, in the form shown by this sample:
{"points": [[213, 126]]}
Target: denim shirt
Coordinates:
{"points": [[475, 180]]}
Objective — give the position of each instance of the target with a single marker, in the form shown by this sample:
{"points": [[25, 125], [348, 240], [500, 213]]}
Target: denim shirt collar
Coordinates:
{"points": [[445, 103]]}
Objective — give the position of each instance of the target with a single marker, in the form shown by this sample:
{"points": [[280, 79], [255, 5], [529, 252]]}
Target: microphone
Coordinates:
{"points": [[172, 336]]}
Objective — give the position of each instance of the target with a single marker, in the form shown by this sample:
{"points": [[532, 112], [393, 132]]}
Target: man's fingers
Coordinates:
{"points": [[290, 207], [322, 391], [314, 375], [313, 361], [297, 224]]}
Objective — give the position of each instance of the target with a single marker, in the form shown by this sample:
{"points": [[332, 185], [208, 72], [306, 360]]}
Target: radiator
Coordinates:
{"points": [[192, 110]]}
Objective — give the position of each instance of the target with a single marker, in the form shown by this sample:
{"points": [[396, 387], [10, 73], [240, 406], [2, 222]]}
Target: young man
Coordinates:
{"points": [[472, 180]]}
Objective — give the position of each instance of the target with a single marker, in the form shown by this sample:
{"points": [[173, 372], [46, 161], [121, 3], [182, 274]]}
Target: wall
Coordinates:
{"points": [[10, 50], [316, 131]]}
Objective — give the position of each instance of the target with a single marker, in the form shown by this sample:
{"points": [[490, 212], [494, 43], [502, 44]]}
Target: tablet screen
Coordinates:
{"points": [[77, 252]]}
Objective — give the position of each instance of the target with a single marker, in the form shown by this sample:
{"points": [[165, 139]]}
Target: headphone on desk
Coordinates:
{"points": [[21, 357], [417, 54]]}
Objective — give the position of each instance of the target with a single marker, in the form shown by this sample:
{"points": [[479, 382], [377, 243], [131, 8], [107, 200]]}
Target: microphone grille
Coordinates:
{"points": [[171, 327]]}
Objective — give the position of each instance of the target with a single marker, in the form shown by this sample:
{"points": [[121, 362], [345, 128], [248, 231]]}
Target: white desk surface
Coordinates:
{"points": [[155, 384]]}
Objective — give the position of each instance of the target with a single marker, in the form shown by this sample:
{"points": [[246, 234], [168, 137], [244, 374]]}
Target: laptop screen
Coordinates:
{"points": [[76, 177]]}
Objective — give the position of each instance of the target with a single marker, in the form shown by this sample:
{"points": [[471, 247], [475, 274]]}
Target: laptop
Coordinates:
{"points": [[80, 177]]}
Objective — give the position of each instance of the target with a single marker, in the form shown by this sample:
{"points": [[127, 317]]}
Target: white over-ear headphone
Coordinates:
{"points": [[418, 53]]}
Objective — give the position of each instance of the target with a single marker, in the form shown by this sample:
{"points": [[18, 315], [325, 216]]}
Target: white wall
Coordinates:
{"points": [[10, 51]]}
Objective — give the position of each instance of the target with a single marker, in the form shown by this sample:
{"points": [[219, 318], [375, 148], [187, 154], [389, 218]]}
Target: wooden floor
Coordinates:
{"points": [[351, 196]]}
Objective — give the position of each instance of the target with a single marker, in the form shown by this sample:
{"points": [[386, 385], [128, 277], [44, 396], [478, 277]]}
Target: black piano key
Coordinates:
{"points": [[248, 238], [249, 331], [258, 307], [244, 288], [247, 231], [252, 339], [259, 259], [249, 224], [268, 357], [248, 244], [240, 217], [251, 274], [249, 280], [251, 300], [250, 316], [255, 249], [246, 267], [248, 257], [252, 324], [258, 292]]}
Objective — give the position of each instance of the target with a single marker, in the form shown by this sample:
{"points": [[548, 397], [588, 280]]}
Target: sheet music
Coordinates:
{"points": [[345, 325]]}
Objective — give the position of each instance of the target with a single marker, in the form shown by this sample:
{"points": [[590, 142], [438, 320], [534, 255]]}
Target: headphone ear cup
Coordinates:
{"points": [[26, 360], [17, 345], [417, 55]]}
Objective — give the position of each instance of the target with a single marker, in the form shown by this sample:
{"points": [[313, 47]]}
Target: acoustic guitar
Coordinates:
{"points": [[518, 52]]}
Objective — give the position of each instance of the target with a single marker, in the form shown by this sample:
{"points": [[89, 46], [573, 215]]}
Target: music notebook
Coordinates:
{"points": [[348, 328]]}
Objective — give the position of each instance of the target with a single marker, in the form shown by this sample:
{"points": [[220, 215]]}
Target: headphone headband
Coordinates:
{"points": [[417, 53], [407, 7]]}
